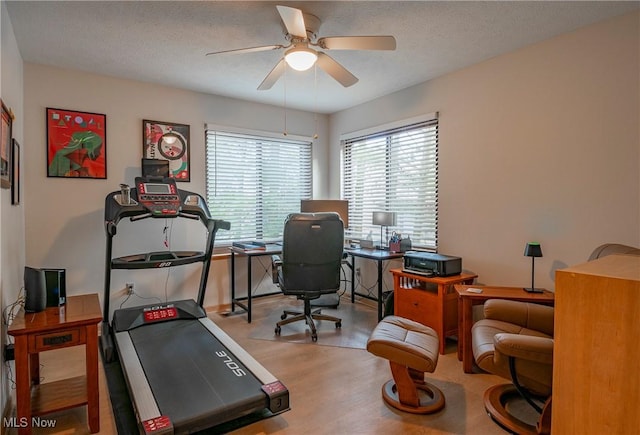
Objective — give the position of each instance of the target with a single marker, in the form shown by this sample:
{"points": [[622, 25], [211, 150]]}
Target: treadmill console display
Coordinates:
{"points": [[157, 314], [160, 197]]}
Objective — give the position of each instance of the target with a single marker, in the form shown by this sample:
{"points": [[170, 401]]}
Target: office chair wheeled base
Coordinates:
{"points": [[495, 403], [308, 316]]}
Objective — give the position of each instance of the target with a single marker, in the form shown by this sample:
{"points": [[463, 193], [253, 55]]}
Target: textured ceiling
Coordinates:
{"points": [[165, 42]]}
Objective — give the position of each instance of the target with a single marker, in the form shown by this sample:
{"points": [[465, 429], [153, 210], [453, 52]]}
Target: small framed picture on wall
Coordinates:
{"points": [[168, 141], [76, 144], [15, 173]]}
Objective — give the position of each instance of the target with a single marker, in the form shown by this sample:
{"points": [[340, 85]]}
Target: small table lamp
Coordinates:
{"points": [[384, 219], [533, 250]]}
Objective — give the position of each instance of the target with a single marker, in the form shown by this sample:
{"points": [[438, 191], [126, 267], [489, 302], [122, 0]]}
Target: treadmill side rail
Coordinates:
{"points": [[145, 402], [250, 362], [277, 394]]}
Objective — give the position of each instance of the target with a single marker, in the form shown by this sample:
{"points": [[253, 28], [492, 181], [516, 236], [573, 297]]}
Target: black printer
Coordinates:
{"points": [[431, 264]]}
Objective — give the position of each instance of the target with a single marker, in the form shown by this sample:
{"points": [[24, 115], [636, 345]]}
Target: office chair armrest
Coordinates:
{"points": [[276, 264], [527, 347]]}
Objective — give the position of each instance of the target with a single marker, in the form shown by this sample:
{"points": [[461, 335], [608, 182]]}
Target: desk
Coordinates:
{"points": [[269, 250], [430, 300], [372, 254], [467, 300], [74, 324]]}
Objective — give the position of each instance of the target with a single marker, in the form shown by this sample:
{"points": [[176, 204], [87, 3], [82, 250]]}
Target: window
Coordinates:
{"points": [[254, 182], [394, 170]]}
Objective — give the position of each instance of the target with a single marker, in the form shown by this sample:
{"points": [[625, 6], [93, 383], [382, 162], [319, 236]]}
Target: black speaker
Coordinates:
{"points": [[56, 283], [35, 290]]}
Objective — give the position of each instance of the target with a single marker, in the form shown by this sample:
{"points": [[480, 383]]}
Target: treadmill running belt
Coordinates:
{"points": [[196, 381]]}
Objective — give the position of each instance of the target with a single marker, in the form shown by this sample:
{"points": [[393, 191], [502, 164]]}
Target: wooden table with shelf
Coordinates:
{"points": [[430, 300], [466, 301], [73, 324]]}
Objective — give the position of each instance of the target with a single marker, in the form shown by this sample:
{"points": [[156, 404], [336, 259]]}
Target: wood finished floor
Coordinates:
{"points": [[333, 390]]}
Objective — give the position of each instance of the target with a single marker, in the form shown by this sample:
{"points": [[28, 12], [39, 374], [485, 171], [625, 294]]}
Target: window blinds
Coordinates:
{"points": [[255, 182], [394, 170]]}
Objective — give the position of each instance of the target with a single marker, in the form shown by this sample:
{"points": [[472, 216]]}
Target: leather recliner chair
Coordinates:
{"points": [[515, 341]]}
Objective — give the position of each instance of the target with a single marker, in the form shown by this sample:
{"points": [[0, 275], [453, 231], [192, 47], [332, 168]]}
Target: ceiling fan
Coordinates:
{"points": [[301, 32]]}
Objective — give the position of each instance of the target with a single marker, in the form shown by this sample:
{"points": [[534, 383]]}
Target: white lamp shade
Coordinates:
{"points": [[384, 218]]}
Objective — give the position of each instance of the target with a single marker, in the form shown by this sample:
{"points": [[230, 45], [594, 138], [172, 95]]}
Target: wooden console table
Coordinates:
{"points": [[466, 301], [73, 324], [430, 300]]}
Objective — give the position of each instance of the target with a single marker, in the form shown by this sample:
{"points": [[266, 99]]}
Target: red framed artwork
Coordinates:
{"points": [[168, 141], [5, 147], [76, 144]]}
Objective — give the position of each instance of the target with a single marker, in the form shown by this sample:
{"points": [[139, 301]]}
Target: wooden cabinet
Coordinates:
{"points": [[596, 383], [429, 300]]}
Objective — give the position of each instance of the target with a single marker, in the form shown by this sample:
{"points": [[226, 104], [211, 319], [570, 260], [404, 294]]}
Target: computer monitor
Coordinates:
{"points": [[340, 206]]}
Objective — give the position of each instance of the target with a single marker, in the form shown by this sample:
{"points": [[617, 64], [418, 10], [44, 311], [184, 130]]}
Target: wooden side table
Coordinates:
{"points": [[73, 324], [466, 301], [430, 300]]}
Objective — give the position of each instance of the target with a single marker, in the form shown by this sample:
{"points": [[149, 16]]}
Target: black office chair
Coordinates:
{"points": [[309, 265]]}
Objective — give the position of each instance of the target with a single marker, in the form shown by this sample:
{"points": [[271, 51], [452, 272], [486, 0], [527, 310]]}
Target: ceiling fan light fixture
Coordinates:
{"points": [[300, 58]]}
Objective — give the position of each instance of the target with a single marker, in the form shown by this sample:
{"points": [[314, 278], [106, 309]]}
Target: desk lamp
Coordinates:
{"points": [[384, 219], [533, 250]]}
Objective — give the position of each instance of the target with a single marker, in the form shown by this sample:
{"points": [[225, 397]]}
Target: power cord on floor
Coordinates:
{"points": [[8, 315]]}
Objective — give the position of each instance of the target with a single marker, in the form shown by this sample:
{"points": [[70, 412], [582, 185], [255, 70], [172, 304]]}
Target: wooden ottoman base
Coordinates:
{"points": [[411, 394], [412, 350]]}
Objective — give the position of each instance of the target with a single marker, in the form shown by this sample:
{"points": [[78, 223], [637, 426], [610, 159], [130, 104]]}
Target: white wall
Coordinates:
{"points": [[541, 144], [564, 111], [65, 217], [12, 247]]}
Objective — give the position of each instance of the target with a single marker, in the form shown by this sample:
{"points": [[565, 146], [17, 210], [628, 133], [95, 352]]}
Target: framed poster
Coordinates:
{"points": [[15, 173], [168, 141], [76, 144], [5, 148]]}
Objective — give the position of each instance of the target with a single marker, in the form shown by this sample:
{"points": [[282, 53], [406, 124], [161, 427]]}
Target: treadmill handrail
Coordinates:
{"points": [[114, 212], [193, 207]]}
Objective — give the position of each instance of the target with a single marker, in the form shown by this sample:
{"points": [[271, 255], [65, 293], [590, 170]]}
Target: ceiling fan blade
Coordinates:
{"points": [[335, 70], [273, 76], [293, 21], [248, 50], [358, 43]]}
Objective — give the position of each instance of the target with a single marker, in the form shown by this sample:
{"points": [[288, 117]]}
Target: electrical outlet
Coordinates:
{"points": [[129, 288], [358, 272]]}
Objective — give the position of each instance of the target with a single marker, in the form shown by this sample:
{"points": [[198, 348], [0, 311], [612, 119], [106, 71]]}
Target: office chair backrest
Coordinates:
{"points": [[312, 249]]}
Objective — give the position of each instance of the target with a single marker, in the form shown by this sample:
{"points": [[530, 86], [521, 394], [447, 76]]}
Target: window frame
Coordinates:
{"points": [[360, 225], [262, 224]]}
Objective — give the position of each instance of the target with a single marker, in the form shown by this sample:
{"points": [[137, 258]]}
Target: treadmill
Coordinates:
{"points": [[184, 374]]}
